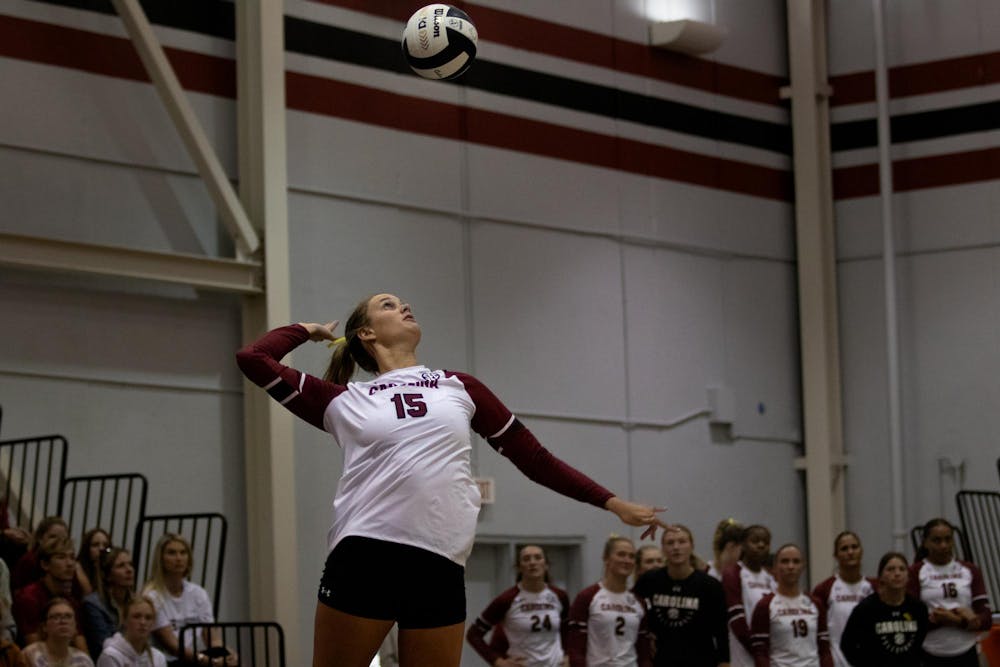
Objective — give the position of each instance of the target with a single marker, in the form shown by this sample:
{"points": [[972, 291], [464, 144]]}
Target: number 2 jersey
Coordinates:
{"points": [[406, 439], [607, 629], [534, 623]]}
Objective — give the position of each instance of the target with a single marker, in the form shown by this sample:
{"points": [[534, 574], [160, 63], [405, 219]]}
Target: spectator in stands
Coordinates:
{"points": [[533, 615], [954, 592], [58, 562], [647, 557], [606, 623], [840, 593], [14, 540], [104, 609], [131, 647], [887, 628], [57, 630], [8, 628], [178, 601], [788, 627], [95, 542], [745, 583], [727, 544], [27, 570]]}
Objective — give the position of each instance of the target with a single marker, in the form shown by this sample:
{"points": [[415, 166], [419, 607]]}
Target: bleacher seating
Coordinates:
{"points": [[31, 474], [116, 503]]}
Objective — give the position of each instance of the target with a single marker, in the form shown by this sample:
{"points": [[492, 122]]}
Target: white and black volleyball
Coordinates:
{"points": [[439, 42]]}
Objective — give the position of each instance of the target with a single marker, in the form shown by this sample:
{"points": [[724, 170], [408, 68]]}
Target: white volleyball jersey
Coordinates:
{"points": [[611, 623], [532, 622], [950, 586], [406, 439], [744, 588], [392, 451], [789, 630], [839, 599]]}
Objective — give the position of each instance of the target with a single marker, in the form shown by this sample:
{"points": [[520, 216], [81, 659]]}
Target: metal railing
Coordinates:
{"points": [[116, 503], [31, 475], [254, 644], [980, 514]]}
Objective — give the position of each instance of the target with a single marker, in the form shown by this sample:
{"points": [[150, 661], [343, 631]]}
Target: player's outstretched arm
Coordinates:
{"points": [[635, 514]]}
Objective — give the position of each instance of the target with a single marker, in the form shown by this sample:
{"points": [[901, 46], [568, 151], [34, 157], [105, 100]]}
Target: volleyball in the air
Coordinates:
{"points": [[439, 42]]}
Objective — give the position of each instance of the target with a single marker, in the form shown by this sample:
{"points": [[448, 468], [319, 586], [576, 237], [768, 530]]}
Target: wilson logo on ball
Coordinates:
{"points": [[439, 42]]}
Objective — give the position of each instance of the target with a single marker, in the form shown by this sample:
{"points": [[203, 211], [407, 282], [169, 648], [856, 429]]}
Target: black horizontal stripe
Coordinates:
{"points": [[918, 126]]}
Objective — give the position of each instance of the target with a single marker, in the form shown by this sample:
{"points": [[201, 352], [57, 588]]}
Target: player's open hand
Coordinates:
{"points": [[635, 514], [318, 332]]}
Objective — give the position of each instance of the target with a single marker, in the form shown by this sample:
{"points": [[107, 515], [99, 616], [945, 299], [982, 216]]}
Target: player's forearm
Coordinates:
{"points": [[259, 360]]}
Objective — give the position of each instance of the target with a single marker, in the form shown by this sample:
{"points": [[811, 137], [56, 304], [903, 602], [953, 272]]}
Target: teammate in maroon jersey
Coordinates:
{"points": [[607, 621], [840, 593], [954, 592], [531, 614], [788, 628], [406, 493]]}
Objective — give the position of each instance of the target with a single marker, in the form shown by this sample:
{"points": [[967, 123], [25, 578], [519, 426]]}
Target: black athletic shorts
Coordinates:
{"points": [[388, 581]]}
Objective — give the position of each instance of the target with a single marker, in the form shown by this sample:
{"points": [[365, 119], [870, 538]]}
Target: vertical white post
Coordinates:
{"points": [[816, 255], [269, 428]]}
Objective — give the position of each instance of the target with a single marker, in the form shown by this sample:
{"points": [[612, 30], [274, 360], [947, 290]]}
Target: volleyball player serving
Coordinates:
{"points": [[406, 494]]}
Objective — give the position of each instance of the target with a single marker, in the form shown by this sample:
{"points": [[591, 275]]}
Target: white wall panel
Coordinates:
{"points": [[676, 340], [548, 320], [916, 31], [507, 185], [757, 37], [952, 312], [96, 202], [865, 406], [761, 346], [329, 155], [707, 218], [701, 484], [83, 114]]}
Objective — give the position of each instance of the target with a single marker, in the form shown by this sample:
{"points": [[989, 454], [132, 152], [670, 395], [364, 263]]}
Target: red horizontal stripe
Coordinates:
{"points": [[555, 39], [919, 173], [919, 78], [110, 56]]}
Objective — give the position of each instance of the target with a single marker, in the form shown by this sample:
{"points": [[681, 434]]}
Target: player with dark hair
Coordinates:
{"points": [[788, 628], [606, 620], [744, 584], [954, 592], [532, 614], [686, 609], [887, 628], [406, 493], [840, 593]]}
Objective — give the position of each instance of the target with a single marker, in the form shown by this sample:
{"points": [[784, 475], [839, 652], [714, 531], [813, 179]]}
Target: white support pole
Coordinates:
{"points": [[201, 151], [816, 252], [899, 531], [269, 428]]}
